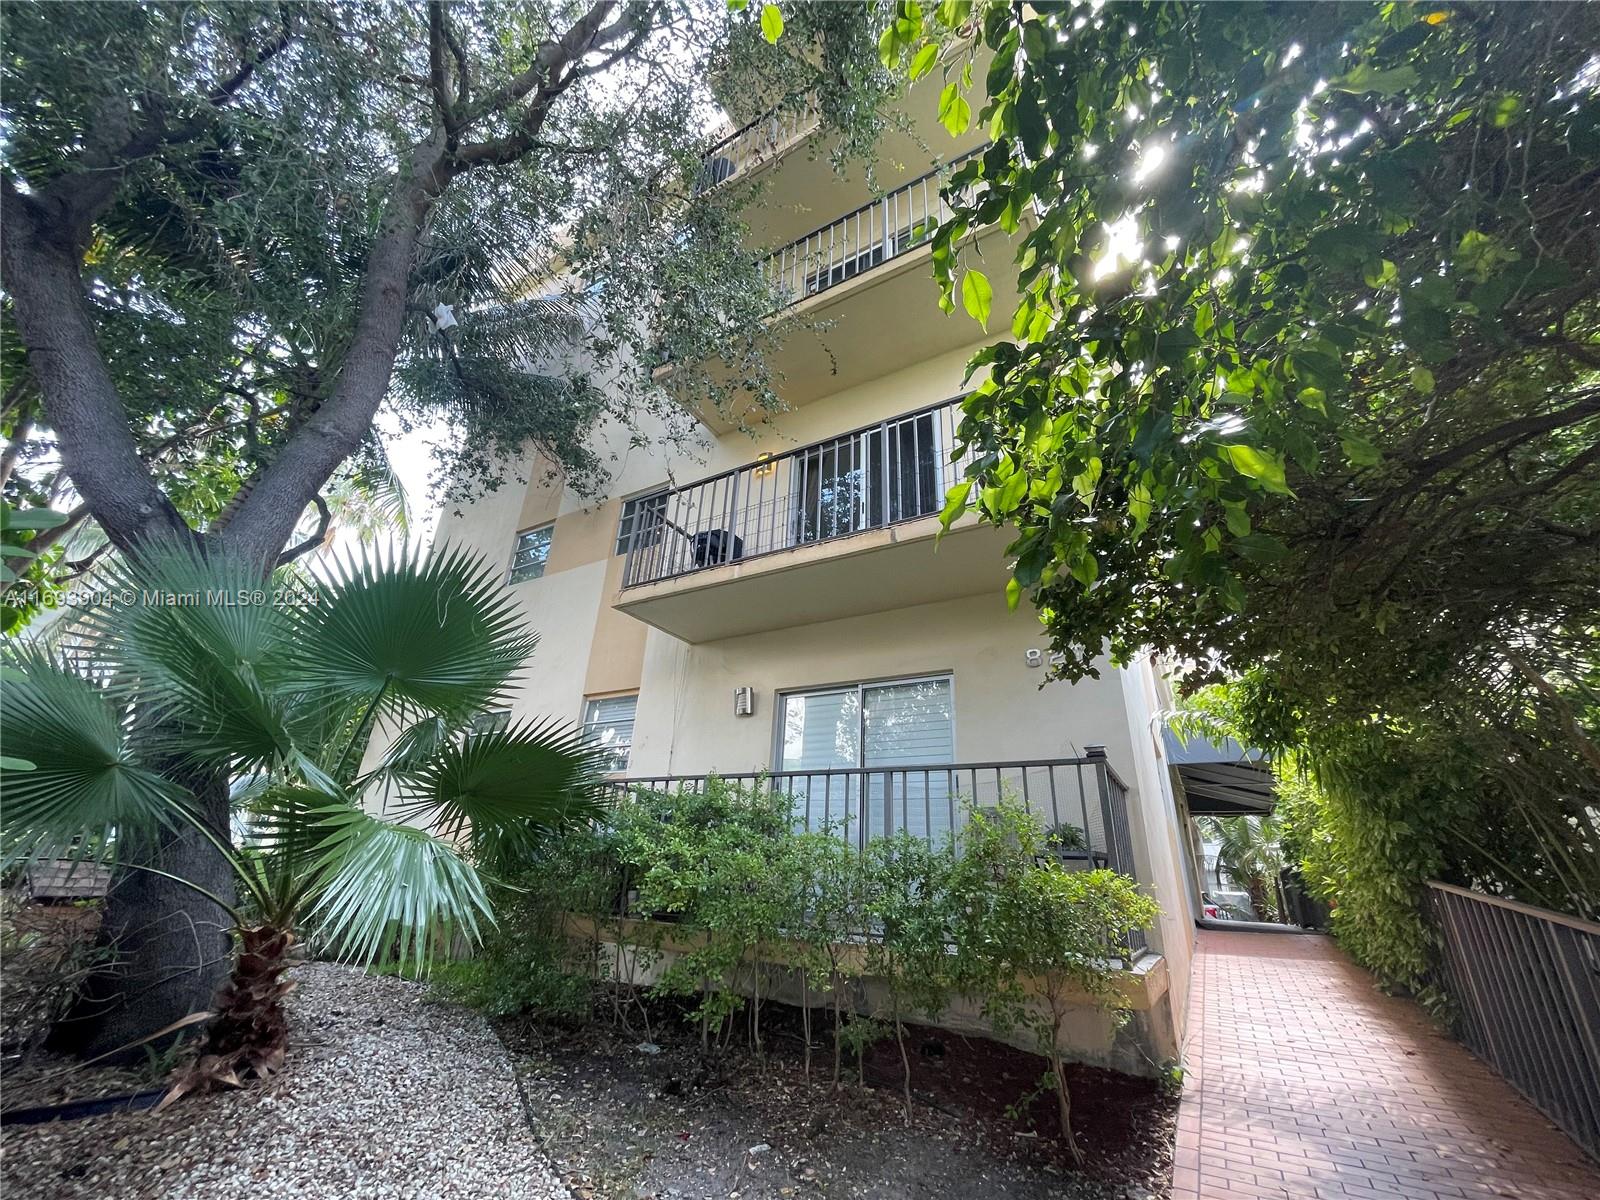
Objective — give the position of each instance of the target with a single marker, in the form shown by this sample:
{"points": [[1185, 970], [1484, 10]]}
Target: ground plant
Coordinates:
{"points": [[728, 901], [373, 846]]}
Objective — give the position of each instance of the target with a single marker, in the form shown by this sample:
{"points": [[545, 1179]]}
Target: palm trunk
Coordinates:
{"points": [[250, 1034]]}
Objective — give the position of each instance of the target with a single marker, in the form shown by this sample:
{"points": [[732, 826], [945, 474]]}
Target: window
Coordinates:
{"points": [[609, 721], [641, 521], [892, 725], [532, 551], [491, 720]]}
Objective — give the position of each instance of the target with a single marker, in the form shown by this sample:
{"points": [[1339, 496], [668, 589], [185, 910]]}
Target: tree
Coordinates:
{"points": [[287, 696], [226, 227], [1248, 856], [1305, 363], [1034, 940], [1304, 383]]}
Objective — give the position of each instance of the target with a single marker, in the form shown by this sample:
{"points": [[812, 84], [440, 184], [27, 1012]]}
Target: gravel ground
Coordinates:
{"points": [[387, 1095]]}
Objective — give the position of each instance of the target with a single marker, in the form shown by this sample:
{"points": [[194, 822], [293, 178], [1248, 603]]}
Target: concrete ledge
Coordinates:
{"points": [[1140, 1045]]}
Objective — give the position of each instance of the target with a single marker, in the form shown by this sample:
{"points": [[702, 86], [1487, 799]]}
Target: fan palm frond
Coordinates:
{"points": [[407, 635], [83, 784], [507, 788], [201, 641], [388, 892]]}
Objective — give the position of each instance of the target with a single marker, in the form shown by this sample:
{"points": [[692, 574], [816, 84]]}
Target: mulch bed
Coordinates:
{"points": [[628, 1119]]}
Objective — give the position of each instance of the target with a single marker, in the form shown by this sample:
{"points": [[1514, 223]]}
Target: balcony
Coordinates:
{"points": [[859, 513], [866, 279], [878, 232], [1081, 800], [748, 149]]}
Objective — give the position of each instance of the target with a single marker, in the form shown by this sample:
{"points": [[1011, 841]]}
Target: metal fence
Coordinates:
{"points": [[875, 233], [1526, 982], [896, 470], [1080, 799]]}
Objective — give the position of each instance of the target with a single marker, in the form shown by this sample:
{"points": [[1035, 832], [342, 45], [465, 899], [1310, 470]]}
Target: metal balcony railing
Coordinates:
{"points": [[1081, 800], [875, 233], [761, 141], [896, 470]]}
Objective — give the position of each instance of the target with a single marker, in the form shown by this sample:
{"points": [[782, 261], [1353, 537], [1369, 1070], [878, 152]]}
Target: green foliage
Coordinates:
{"points": [[193, 664], [225, 276], [1456, 790], [721, 879], [1304, 387], [1297, 369], [1250, 857], [1033, 938]]}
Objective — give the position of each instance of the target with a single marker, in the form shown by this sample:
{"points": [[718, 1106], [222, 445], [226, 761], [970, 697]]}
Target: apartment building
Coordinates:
{"points": [[778, 604]]}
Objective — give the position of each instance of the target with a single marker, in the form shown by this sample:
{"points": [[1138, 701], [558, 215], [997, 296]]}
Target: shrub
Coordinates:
{"points": [[1030, 932], [989, 915]]}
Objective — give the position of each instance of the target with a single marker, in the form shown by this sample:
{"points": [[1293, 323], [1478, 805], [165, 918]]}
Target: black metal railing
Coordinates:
{"points": [[896, 470], [877, 232], [1526, 984], [1081, 800]]}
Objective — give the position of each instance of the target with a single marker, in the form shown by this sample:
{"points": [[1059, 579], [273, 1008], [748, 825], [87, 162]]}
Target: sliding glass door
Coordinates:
{"points": [[872, 478], [870, 751]]}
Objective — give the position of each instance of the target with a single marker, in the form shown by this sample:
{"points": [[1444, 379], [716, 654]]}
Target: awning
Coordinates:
{"points": [[1221, 779]]}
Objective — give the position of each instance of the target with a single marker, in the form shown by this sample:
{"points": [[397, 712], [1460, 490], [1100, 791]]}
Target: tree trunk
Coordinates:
{"points": [[1063, 1097], [805, 1018], [251, 1033], [905, 1060], [171, 945], [838, 1026]]}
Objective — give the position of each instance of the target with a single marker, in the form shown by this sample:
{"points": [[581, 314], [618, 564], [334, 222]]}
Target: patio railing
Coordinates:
{"points": [[1081, 799], [1526, 982], [749, 146], [895, 470], [877, 232]]}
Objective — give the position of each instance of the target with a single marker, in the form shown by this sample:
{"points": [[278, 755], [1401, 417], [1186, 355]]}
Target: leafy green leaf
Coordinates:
{"points": [[924, 61], [955, 503], [955, 114], [771, 23], [1361, 452], [1261, 547], [1262, 466], [1364, 77], [977, 296]]}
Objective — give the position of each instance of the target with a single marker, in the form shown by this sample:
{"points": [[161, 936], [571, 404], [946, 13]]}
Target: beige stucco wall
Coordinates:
{"points": [[1159, 841], [686, 725]]}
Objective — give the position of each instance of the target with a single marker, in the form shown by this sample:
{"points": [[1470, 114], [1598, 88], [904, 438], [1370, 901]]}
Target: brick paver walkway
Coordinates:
{"points": [[1302, 1080]]}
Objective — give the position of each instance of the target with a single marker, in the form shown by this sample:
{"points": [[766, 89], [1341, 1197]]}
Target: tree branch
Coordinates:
{"points": [[81, 403], [228, 88], [438, 84], [265, 519], [316, 539]]}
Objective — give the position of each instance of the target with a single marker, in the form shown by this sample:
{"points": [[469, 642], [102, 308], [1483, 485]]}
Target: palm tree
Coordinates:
{"points": [[342, 717], [1249, 855]]}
